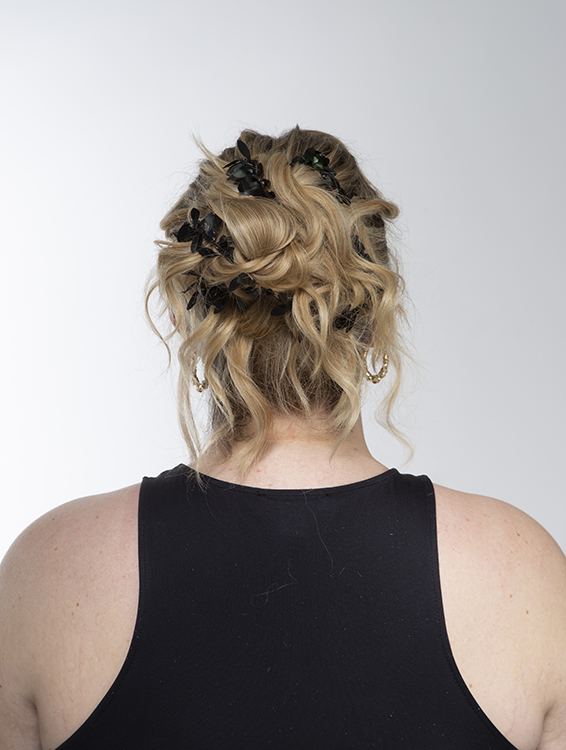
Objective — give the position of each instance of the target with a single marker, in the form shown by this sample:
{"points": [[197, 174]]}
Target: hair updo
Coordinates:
{"points": [[322, 254]]}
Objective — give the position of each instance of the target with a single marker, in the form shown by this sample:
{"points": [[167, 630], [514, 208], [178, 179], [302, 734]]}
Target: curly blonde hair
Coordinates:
{"points": [[326, 256]]}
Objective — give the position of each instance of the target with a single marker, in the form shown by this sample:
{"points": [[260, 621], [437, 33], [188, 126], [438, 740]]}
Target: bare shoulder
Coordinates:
{"points": [[63, 544], [492, 531], [72, 523], [504, 588], [497, 524], [54, 593]]}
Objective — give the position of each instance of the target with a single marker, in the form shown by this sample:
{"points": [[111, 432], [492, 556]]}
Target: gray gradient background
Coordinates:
{"points": [[456, 110]]}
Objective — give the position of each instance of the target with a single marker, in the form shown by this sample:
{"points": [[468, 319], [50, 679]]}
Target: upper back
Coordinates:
{"points": [[503, 588]]}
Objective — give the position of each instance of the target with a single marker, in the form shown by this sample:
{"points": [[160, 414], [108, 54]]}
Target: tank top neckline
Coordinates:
{"points": [[293, 492]]}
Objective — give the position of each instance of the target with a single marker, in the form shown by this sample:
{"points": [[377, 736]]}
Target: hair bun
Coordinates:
{"points": [[279, 276]]}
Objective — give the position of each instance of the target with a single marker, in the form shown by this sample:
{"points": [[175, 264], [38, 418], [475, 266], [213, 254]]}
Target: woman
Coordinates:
{"points": [[290, 591]]}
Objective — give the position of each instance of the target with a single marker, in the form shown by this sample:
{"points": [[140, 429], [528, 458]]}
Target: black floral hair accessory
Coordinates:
{"points": [[317, 160], [198, 230], [248, 174], [213, 295], [217, 296]]}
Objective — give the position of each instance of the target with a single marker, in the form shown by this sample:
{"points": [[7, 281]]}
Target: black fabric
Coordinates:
{"points": [[288, 619]]}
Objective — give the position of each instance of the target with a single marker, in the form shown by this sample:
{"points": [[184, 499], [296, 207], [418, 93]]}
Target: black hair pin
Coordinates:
{"points": [[321, 163], [198, 230], [214, 295], [248, 174]]}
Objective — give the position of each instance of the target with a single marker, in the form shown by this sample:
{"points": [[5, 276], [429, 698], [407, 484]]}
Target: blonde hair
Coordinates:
{"points": [[304, 246]]}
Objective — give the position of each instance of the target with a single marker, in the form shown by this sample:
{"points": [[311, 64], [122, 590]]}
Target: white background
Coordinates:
{"points": [[456, 110]]}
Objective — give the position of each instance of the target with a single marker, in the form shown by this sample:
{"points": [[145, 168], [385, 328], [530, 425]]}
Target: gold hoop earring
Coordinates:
{"points": [[378, 377], [201, 385]]}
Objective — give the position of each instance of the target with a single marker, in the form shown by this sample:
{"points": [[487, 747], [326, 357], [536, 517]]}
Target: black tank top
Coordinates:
{"points": [[288, 619]]}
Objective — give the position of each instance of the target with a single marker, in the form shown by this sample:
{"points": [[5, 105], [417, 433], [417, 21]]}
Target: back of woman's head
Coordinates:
{"points": [[277, 275]]}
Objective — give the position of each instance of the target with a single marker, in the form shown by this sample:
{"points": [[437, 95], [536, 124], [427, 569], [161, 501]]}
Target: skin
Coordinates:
{"points": [[69, 589]]}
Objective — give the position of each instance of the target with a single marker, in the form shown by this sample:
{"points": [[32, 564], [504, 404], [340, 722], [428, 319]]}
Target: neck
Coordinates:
{"points": [[300, 454]]}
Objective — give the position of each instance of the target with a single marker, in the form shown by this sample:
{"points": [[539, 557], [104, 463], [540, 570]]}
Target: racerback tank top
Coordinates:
{"points": [[288, 619]]}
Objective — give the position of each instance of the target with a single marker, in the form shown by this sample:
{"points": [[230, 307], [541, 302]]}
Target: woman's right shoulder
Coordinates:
{"points": [[492, 530], [503, 581], [504, 546]]}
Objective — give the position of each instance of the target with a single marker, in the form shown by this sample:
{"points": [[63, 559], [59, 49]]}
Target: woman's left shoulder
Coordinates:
{"points": [[67, 584], [80, 524], [78, 542]]}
